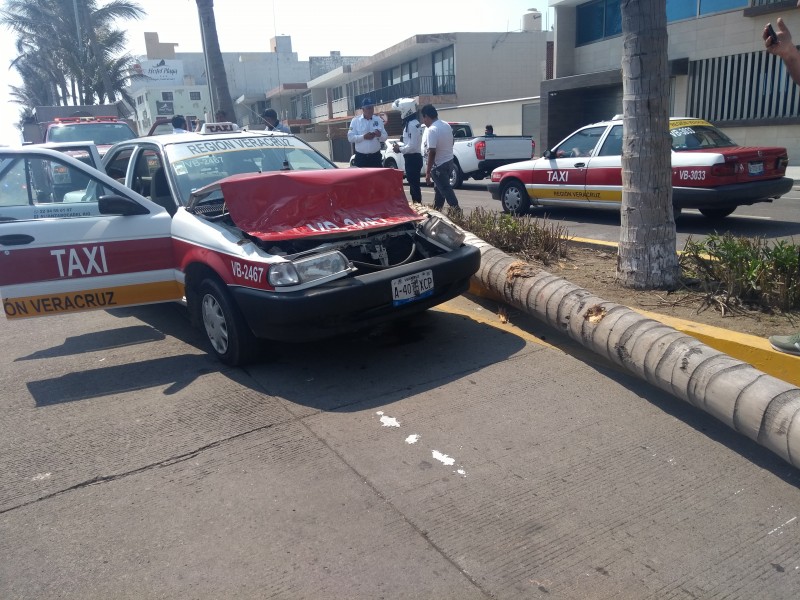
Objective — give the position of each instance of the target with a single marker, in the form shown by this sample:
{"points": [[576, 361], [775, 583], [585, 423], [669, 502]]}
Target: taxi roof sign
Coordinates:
{"points": [[225, 127]]}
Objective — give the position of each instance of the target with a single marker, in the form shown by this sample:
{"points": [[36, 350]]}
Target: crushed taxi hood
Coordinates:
{"points": [[292, 204]]}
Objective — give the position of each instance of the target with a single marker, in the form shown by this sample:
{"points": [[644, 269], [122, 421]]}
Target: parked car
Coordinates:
{"points": [[710, 172], [259, 234]]}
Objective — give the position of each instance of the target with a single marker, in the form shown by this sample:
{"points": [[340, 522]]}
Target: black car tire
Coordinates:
{"points": [[390, 163], [515, 199], [230, 339], [717, 213]]}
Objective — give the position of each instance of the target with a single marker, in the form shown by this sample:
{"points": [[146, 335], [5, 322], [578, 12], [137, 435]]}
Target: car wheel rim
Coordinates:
{"points": [[215, 324], [512, 199]]}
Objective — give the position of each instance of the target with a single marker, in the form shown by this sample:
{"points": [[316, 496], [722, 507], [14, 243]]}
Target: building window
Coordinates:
{"points": [[712, 6], [741, 87], [600, 19], [167, 96], [404, 72], [444, 71], [194, 95], [597, 20], [139, 99], [678, 10]]}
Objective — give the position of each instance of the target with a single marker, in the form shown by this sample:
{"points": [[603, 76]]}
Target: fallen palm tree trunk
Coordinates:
{"points": [[760, 406]]}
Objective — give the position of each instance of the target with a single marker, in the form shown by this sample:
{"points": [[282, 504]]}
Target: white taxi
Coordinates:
{"points": [[710, 172], [259, 234]]}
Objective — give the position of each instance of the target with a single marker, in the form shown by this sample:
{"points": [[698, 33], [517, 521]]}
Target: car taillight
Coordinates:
{"points": [[726, 169], [480, 149], [782, 162], [533, 148]]}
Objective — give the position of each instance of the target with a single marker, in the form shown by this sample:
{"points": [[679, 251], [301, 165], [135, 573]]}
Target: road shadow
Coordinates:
{"points": [[98, 341], [349, 372]]}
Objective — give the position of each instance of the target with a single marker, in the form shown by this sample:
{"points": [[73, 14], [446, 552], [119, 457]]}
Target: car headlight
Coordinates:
{"points": [[442, 234], [308, 270]]}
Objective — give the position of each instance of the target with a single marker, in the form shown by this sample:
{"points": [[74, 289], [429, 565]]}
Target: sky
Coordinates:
{"points": [[354, 28]]}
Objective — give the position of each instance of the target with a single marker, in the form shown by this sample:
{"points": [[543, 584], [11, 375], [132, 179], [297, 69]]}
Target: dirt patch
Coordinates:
{"points": [[593, 267]]}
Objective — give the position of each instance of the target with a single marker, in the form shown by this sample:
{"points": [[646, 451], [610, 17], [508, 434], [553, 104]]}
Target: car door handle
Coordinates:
{"points": [[16, 239], [580, 165]]}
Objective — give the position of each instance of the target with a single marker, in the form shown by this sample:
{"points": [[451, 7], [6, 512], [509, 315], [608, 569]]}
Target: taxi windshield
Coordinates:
{"points": [[697, 135], [201, 162], [99, 133]]}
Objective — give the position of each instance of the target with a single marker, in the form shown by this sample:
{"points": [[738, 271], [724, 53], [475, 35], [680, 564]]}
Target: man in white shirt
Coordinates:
{"points": [[367, 132], [272, 123], [437, 143], [179, 124]]}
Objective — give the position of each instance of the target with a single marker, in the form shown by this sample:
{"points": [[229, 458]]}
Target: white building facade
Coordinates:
{"points": [[718, 67]]}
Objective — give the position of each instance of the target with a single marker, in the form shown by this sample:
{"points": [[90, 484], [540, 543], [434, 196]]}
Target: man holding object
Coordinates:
{"points": [[367, 132]]}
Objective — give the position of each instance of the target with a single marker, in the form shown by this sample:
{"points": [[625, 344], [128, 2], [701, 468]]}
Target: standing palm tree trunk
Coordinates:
{"points": [[216, 74], [647, 246]]}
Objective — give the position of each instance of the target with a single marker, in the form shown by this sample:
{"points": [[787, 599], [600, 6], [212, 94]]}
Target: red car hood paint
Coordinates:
{"points": [[292, 204]]}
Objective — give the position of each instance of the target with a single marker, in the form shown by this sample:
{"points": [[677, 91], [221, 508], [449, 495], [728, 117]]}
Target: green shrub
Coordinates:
{"points": [[748, 270], [526, 237]]}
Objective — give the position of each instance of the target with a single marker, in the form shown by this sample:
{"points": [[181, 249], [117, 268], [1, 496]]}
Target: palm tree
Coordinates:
{"points": [[216, 67], [74, 43], [647, 245]]}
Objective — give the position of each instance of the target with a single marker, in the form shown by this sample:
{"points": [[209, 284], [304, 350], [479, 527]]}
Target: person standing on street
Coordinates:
{"points": [[437, 143], [179, 124], [782, 45], [412, 145], [270, 116], [367, 132]]}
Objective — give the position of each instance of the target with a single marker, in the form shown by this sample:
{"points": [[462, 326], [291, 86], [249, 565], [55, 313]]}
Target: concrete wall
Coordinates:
{"points": [[505, 116], [512, 65]]}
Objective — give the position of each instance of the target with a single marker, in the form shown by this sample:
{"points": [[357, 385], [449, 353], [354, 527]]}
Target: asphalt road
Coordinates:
{"points": [[774, 221], [450, 456]]}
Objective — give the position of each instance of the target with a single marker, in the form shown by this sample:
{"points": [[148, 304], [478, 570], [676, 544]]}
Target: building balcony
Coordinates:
{"points": [[339, 108], [438, 85]]}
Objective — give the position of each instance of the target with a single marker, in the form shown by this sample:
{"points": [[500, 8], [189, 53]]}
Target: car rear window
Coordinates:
{"points": [[698, 137]]}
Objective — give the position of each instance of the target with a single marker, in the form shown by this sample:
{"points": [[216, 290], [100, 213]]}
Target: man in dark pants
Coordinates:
{"points": [[412, 145], [437, 143], [367, 132]]}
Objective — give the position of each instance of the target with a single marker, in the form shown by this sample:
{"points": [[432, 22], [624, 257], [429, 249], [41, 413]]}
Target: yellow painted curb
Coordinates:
{"points": [[751, 349]]}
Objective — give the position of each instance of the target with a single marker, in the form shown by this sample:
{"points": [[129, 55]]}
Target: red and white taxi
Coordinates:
{"points": [[710, 172], [261, 236], [103, 131]]}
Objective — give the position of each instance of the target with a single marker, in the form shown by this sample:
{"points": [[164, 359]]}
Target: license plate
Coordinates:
{"points": [[412, 287], [755, 168]]}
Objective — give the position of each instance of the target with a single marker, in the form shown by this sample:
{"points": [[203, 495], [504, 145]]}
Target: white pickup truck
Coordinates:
{"points": [[473, 157]]}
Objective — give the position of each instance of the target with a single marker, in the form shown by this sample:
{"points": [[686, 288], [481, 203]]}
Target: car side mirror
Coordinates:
{"points": [[120, 205], [547, 154]]}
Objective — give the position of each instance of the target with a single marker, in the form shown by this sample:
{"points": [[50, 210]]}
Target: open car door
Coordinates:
{"points": [[92, 245]]}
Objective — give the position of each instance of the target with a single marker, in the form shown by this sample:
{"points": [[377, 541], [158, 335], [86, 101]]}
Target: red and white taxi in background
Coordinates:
{"points": [[260, 234], [103, 131], [710, 172]]}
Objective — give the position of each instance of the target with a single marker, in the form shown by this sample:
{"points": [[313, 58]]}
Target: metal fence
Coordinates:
{"points": [[420, 86], [740, 87]]}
